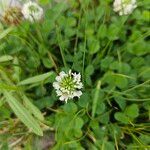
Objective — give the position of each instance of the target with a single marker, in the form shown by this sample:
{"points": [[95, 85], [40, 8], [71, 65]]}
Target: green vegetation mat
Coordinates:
{"points": [[110, 52]]}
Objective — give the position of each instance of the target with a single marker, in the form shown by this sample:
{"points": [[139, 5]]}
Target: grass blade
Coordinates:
{"points": [[96, 98], [5, 58], [23, 114], [5, 32], [32, 108], [36, 79]]}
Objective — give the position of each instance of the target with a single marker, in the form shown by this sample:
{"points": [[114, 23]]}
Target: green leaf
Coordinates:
{"points": [[23, 114], [121, 102], [89, 70], [132, 111], [47, 63], [32, 108], [7, 87], [137, 62], [2, 101], [36, 79], [106, 62], [5, 32], [93, 45], [17, 69], [84, 100], [112, 32], [71, 21], [100, 12], [56, 11], [120, 67], [104, 118], [44, 2], [5, 113], [121, 117], [6, 58], [145, 139], [102, 31], [114, 79], [145, 72], [47, 101], [100, 108], [121, 82], [145, 15], [108, 146], [77, 125], [88, 80], [70, 107], [138, 48], [98, 130]]}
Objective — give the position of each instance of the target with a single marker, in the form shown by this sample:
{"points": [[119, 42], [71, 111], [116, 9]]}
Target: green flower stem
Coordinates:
{"points": [[85, 40], [78, 26], [51, 58], [83, 61], [59, 39]]}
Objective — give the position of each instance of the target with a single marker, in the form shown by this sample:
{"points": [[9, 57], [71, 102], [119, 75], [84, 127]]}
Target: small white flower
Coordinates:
{"points": [[68, 85], [6, 4], [32, 11], [10, 12], [124, 7]]}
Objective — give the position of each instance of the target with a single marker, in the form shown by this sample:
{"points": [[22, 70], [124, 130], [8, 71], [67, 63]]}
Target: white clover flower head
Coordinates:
{"points": [[124, 7], [32, 11], [10, 12], [68, 85], [6, 4]]}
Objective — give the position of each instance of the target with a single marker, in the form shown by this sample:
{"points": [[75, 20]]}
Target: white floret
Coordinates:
{"points": [[68, 85], [32, 11], [124, 7], [6, 4]]}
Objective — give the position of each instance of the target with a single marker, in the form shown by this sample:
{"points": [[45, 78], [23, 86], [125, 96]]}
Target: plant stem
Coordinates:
{"points": [[55, 66], [59, 39], [83, 61]]}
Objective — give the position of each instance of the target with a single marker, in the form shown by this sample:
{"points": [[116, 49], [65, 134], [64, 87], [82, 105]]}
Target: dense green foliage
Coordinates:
{"points": [[113, 56]]}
